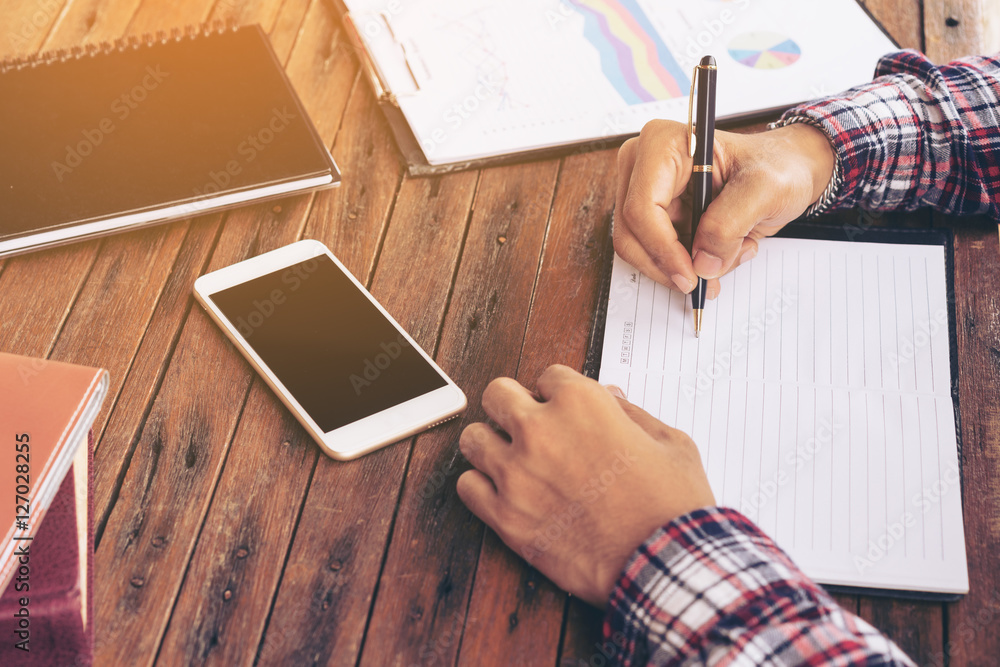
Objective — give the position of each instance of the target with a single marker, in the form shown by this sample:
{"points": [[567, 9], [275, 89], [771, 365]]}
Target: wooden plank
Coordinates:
{"points": [[955, 28], [92, 21], [30, 325], [27, 24], [562, 311], [115, 442], [582, 643], [436, 540], [223, 606], [153, 526], [916, 627], [333, 569], [145, 536], [971, 635], [112, 454], [36, 292], [146, 372], [903, 19], [221, 610]]}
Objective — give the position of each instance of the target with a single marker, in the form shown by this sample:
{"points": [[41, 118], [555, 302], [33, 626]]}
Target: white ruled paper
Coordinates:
{"points": [[819, 395]]}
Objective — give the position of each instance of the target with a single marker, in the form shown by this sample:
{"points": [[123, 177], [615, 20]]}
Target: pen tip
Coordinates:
{"points": [[697, 322]]}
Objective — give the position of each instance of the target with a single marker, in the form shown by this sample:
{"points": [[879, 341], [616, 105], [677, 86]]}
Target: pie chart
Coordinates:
{"points": [[764, 50]]}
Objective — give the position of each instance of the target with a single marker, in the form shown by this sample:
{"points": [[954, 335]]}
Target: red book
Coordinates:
{"points": [[46, 412]]}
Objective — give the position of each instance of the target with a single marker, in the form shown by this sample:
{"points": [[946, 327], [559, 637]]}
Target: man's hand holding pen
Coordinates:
{"points": [[761, 181]]}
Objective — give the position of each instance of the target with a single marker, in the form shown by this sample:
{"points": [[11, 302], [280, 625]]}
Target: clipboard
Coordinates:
{"points": [[414, 157], [861, 232]]}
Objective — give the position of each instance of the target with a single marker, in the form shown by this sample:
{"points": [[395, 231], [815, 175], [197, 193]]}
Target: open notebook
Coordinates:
{"points": [[820, 396]]}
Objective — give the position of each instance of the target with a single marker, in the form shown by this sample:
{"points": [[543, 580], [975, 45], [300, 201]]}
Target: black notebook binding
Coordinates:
{"points": [[120, 44]]}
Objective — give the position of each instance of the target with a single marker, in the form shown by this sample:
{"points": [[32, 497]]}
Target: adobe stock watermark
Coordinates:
{"points": [[20, 34], [248, 149], [708, 32], [372, 368], [29, 368], [591, 491], [793, 461], [723, 362], [930, 496], [605, 652], [121, 108], [926, 330], [487, 89], [964, 634], [293, 277]]}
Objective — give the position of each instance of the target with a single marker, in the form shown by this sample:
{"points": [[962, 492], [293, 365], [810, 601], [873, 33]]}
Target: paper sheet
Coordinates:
{"points": [[501, 76], [819, 395]]}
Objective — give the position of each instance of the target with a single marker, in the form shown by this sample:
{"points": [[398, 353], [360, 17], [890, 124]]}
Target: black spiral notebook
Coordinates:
{"points": [[114, 136], [822, 395]]}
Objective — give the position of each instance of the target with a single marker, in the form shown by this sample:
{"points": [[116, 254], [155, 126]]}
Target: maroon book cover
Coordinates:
{"points": [[45, 615]]}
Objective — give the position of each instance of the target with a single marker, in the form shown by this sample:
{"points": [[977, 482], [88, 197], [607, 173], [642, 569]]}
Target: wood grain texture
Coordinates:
{"points": [[223, 544], [562, 310], [222, 607], [333, 570], [238, 561], [115, 439], [37, 293], [916, 627], [194, 466], [436, 540], [26, 25], [92, 21], [903, 19], [956, 28], [971, 633], [178, 459]]}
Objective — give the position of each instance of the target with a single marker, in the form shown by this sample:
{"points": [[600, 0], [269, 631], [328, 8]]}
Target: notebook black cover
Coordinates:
{"points": [[144, 124], [860, 232]]}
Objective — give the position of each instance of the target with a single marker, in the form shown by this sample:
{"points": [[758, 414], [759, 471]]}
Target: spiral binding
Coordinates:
{"points": [[132, 42]]}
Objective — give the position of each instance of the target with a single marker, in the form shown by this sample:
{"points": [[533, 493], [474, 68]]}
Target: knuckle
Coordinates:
{"points": [[631, 209], [470, 441]]}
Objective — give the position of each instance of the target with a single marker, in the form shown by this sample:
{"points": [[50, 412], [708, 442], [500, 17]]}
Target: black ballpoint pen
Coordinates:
{"points": [[701, 138]]}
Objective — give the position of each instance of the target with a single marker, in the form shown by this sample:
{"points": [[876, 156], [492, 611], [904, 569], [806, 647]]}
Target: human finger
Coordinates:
{"points": [[655, 182], [485, 449], [504, 399]]}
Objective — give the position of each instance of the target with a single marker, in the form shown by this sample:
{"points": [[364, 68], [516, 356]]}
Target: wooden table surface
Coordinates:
{"points": [[224, 536]]}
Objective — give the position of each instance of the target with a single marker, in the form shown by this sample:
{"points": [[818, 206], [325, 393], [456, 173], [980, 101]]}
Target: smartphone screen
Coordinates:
{"points": [[334, 351]]}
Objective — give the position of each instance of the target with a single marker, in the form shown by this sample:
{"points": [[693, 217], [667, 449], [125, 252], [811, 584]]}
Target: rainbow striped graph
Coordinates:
{"points": [[633, 57]]}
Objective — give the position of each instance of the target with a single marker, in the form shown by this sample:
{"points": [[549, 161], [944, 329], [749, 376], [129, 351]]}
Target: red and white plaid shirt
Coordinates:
{"points": [[710, 587]]}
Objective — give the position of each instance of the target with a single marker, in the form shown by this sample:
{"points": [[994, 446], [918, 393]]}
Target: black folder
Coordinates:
{"points": [[863, 231]]}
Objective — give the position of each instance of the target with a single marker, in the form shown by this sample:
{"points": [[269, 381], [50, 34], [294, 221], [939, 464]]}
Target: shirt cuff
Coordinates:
{"points": [[859, 123], [701, 577]]}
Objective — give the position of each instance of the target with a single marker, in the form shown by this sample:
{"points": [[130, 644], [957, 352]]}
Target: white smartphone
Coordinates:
{"points": [[347, 371]]}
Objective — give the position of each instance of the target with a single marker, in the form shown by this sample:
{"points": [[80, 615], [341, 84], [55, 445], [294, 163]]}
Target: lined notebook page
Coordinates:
{"points": [[819, 395]]}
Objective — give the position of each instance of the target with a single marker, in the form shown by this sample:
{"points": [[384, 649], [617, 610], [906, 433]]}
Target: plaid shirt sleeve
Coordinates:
{"points": [[918, 135], [710, 588]]}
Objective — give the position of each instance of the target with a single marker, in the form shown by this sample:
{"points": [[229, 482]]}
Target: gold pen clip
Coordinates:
{"points": [[691, 136]]}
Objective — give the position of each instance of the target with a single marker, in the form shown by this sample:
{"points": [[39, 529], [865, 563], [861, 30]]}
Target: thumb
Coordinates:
{"points": [[723, 228]]}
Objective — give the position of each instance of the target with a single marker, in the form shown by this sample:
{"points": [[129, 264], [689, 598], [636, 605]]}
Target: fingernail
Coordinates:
{"points": [[707, 266], [748, 255], [614, 390], [711, 293], [682, 283]]}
